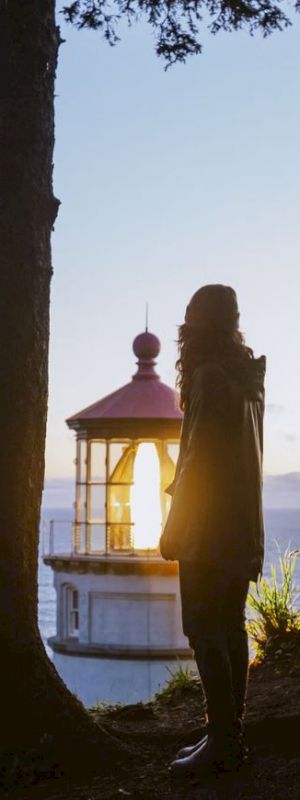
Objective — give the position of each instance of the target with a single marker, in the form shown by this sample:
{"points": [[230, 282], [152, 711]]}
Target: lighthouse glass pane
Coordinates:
{"points": [[118, 504], [81, 460], [97, 538], [120, 538], [96, 503], [97, 462], [119, 456], [81, 503], [146, 499]]}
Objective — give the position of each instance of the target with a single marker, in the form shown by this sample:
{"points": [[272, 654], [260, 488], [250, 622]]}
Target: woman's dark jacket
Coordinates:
{"points": [[216, 513]]}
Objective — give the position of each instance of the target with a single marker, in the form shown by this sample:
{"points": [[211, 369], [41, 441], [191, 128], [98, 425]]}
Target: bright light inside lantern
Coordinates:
{"points": [[145, 498]]}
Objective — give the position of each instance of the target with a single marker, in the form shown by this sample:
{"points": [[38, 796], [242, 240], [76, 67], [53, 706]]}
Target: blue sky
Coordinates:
{"points": [[169, 180]]}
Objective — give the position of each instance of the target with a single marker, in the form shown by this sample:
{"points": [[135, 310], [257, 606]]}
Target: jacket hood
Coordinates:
{"points": [[250, 373]]}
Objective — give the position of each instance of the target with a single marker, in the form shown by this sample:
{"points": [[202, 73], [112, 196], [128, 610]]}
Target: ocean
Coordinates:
{"points": [[282, 533]]}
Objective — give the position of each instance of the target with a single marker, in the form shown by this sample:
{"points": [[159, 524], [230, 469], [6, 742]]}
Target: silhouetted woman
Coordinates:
{"points": [[215, 525]]}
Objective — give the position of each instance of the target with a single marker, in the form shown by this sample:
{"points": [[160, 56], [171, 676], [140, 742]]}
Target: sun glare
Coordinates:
{"points": [[145, 498]]}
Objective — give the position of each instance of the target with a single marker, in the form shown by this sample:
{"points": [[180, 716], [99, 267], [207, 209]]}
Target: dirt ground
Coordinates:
{"points": [[156, 730]]}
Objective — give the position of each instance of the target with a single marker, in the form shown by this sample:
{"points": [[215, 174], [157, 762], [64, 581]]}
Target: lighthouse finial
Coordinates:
{"points": [[147, 313]]}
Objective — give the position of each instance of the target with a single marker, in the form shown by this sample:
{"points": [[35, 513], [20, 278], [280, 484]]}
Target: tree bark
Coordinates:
{"points": [[33, 699]]}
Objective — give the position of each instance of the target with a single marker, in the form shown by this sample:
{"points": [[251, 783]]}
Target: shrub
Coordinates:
{"points": [[274, 616]]}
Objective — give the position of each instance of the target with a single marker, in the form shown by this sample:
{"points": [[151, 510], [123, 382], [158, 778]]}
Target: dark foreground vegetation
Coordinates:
{"points": [[144, 737], [155, 730]]}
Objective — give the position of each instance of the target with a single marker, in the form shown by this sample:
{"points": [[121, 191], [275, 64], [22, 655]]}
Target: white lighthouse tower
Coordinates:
{"points": [[118, 607]]}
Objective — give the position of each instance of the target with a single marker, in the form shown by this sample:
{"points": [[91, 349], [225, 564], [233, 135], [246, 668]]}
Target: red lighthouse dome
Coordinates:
{"points": [[139, 406]]}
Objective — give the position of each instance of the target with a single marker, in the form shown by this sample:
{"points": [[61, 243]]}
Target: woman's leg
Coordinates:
{"points": [[237, 640], [208, 637], [203, 593], [205, 621]]}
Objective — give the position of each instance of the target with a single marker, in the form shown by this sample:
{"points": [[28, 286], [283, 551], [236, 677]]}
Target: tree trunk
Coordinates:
{"points": [[33, 699]]}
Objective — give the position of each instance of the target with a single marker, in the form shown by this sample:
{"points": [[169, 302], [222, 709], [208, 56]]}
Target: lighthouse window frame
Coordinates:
{"points": [[81, 502], [97, 461], [116, 448], [119, 533], [72, 616], [96, 509], [96, 496], [99, 528], [81, 461]]}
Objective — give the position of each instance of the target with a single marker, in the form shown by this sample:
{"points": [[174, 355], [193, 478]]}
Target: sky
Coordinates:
{"points": [[167, 181]]}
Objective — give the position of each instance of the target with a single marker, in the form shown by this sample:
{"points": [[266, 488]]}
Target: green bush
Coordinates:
{"points": [[273, 613]]}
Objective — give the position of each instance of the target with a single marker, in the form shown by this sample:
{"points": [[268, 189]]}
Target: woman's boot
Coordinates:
{"points": [[222, 751], [189, 749]]}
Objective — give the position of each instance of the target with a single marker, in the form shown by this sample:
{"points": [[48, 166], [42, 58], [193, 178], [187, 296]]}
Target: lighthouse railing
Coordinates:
{"points": [[64, 537], [57, 537]]}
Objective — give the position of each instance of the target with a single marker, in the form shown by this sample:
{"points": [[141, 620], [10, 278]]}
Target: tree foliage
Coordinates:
{"points": [[177, 23]]}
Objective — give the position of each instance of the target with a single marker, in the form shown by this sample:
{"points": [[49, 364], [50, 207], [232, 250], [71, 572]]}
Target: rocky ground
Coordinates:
{"points": [[156, 730]]}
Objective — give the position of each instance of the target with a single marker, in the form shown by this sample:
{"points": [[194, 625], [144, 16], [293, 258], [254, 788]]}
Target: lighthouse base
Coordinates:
{"points": [[119, 636], [109, 680]]}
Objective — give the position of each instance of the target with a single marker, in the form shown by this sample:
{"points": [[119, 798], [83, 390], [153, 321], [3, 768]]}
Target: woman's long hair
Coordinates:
{"points": [[210, 333]]}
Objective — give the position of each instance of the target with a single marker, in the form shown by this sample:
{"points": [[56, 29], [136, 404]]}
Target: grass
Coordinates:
{"points": [[182, 679], [274, 617]]}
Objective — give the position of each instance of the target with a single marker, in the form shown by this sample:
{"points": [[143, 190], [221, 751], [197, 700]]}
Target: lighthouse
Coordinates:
{"points": [[118, 632]]}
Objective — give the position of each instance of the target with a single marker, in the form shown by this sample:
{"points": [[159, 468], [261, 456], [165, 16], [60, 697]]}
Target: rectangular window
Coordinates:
{"points": [[80, 503], [96, 539], [72, 612], [120, 457], [118, 503], [97, 466], [96, 503], [120, 538]]}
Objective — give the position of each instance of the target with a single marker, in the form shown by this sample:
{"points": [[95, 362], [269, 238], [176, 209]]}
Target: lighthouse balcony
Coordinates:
{"points": [[75, 540]]}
